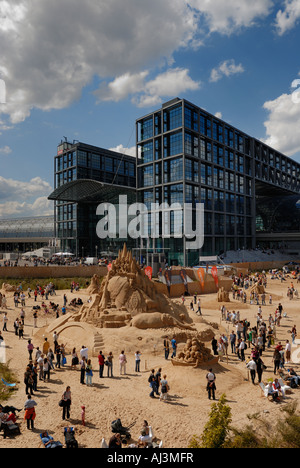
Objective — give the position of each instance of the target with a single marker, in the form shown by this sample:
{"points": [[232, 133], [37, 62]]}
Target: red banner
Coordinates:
{"points": [[214, 272], [201, 276], [109, 266], [148, 271]]}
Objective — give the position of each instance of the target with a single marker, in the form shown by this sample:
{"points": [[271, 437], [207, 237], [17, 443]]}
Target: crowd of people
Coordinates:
{"points": [[258, 338]]}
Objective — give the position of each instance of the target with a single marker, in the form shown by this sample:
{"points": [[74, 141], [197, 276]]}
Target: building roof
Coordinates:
{"points": [[89, 191]]}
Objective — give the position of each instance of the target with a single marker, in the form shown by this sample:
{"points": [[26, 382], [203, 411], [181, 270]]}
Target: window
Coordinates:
{"points": [[82, 158], [191, 144], [172, 118], [173, 170], [173, 144], [173, 194], [146, 152], [145, 129], [191, 170], [146, 176], [191, 118]]}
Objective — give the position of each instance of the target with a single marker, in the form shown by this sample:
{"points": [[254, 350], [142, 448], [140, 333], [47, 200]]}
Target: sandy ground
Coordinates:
{"points": [[127, 397]]}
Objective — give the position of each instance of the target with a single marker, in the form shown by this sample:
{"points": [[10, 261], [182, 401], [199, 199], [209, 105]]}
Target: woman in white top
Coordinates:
{"points": [[122, 361], [137, 361], [164, 389]]}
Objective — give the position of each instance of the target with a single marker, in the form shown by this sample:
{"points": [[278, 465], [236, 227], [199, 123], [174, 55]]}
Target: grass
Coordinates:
{"points": [[60, 283], [8, 376]]}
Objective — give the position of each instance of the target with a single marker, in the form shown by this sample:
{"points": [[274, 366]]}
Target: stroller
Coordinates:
{"points": [[118, 428]]}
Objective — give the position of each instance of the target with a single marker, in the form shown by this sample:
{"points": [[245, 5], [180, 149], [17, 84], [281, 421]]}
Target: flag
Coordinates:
{"points": [[148, 271], [214, 272], [201, 276]]}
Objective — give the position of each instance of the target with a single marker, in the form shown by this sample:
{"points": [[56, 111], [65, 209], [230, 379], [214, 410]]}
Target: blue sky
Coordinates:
{"points": [[87, 70]]}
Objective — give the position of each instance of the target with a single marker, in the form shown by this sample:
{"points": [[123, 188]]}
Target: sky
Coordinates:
{"points": [[86, 70]]}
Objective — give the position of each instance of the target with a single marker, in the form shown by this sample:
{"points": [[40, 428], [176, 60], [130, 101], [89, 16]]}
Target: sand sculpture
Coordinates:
{"points": [[127, 296], [195, 354], [6, 288], [223, 296]]}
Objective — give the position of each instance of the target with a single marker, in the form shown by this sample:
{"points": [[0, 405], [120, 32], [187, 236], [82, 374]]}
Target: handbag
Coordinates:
{"points": [[61, 403]]}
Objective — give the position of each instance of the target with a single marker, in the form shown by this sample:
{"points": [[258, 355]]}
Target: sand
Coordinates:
{"points": [[127, 397]]}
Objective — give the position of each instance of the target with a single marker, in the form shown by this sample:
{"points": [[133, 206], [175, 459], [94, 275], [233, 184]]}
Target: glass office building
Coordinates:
{"points": [[86, 176], [186, 155]]}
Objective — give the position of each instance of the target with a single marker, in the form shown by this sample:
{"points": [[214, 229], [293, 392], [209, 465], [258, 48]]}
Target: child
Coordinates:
{"points": [[83, 415]]}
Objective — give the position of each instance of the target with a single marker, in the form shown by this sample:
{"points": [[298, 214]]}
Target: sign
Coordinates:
{"points": [[148, 271], [201, 276]]}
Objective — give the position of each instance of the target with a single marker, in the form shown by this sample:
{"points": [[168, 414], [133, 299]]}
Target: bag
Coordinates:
{"points": [[61, 404], [106, 363], [64, 361]]}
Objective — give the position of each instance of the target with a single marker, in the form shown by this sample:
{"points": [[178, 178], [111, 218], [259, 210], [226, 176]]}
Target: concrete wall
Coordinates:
{"points": [[52, 271], [255, 266]]}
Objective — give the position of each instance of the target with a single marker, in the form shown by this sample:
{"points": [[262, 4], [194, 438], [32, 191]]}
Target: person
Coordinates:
{"points": [[233, 342], [46, 346], [82, 371], [152, 384], [242, 348], [101, 361], [5, 320], [49, 442], [28, 381], [30, 413], [84, 352], [137, 361], [115, 442], [174, 347], [30, 349], [252, 366], [260, 368], [211, 384], [167, 348], [89, 373], [66, 403], [164, 389], [83, 415], [288, 350], [46, 370], [145, 438], [214, 345], [158, 380], [58, 356], [75, 360], [276, 360], [110, 364], [122, 361], [71, 442]]}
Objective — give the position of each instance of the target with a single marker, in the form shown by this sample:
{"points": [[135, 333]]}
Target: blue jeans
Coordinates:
{"points": [[137, 366], [154, 389], [174, 353]]}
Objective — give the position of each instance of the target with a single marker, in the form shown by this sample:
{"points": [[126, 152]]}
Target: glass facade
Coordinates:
{"points": [[75, 223], [206, 160]]}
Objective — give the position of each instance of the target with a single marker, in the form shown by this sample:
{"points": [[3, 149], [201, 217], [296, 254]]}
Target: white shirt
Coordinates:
{"points": [[84, 353]]}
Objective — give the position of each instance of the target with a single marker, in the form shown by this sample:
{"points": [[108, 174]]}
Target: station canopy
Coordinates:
{"points": [[91, 191]]}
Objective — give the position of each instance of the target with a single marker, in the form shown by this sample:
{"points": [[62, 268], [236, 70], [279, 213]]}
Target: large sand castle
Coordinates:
{"points": [[127, 297]]}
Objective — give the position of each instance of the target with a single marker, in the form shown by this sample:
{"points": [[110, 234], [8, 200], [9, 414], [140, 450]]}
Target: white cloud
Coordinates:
{"points": [[226, 68], [40, 207], [288, 18], [19, 198], [145, 93], [5, 150], [282, 126], [128, 151], [51, 50], [228, 17]]}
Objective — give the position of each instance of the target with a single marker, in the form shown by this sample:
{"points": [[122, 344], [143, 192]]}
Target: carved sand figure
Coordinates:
{"points": [[128, 297], [194, 354]]}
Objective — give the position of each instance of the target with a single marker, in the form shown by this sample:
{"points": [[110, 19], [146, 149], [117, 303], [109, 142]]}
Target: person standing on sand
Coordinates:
{"points": [[211, 384], [122, 361], [110, 364], [30, 414], [67, 401], [82, 370]]}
